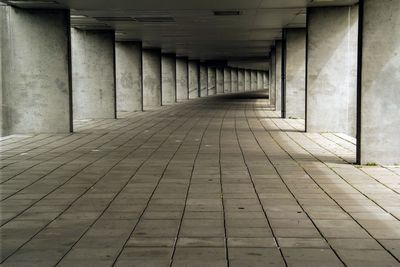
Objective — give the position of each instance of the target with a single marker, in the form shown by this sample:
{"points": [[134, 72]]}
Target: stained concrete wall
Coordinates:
{"points": [[168, 79], [332, 70], [227, 80], [212, 81], [272, 80], [247, 80], [151, 78], [278, 75], [35, 71], [295, 73], [203, 80], [220, 80], [182, 79], [128, 65], [241, 80], [234, 80], [253, 80], [194, 79], [380, 94]]}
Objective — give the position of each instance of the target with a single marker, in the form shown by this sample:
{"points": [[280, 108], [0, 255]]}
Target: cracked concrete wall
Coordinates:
{"points": [[151, 78], [220, 80], [241, 80], [253, 80], [182, 81], [227, 80], [212, 81], [168, 81], [203, 80], [278, 75], [247, 80], [234, 80], [194, 79]]}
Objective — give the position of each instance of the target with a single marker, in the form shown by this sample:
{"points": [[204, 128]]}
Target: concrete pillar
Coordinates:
{"points": [[182, 78], [203, 80], [234, 80], [260, 83], [272, 80], [253, 81], [241, 80], [168, 79], [194, 79], [151, 78], [35, 72], [247, 80], [278, 75], [128, 65], [332, 69], [93, 74], [266, 80], [295, 72], [220, 80], [379, 94], [227, 80], [211, 82]]}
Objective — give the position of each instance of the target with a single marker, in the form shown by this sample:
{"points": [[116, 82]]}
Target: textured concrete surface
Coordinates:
{"points": [[211, 81], [295, 73], [267, 81], [260, 80], [253, 80], [194, 79], [278, 74], [218, 181], [272, 79], [151, 78], [93, 74], [128, 65], [203, 80], [332, 70], [380, 102], [34, 79], [247, 80], [241, 80], [234, 80], [227, 80], [168, 78], [220, 80], [182, 79]]}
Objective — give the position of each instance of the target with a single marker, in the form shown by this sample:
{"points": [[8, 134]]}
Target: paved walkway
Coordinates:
{"points": [[210, 182]]}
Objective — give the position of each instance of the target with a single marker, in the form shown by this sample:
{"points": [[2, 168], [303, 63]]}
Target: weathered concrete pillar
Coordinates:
{"points": [[266, 80], [220, 80], [194, 79], [203, 80], [241, 80], [260, 83], [272, 79], [253, 80], [211, 83], [379, 94], [151, 78], [234, 80], [278, 75], [332, 69], [247, 80], [227, 80], [93, 74], [168, 81], [128, 65], [182, 78], [35, 71], [295, 72]]}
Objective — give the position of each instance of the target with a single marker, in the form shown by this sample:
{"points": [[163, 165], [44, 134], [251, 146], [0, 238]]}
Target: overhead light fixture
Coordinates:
{"points": [[227, 13], [78, 17], [154, 19], [32, 3]]}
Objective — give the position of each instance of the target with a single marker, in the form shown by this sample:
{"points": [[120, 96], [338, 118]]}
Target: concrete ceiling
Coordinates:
{"points": [[191, 27]]}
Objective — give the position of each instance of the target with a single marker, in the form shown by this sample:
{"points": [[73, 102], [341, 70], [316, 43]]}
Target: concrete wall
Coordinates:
{"points": [[182, 79], [35, 75], [203, 80], [253, 80], [247, 80], [212, 81], [272, 81], [93, 74], [241, 80], [220, 80], [227, 80], [278, 75], [332, 70], [151, 78], [128, 65], [194, 79], [295, 73], [380, 93], [234, 80], [168, 79]]}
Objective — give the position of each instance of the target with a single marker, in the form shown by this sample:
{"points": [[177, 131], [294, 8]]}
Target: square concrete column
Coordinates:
{"points": [[168, 81], [266, 80], [260, 82], [220, 80], [234, 80], [151, 78], [227, 80], [272, 79], [128, 65], [194, 79], [203, 80], [253, 81], [278, 75], [211, 82], [295, 92], [35, 71], [241, 80], [93, 74], [182, 78], [379, 80], [247, 80], [332, 69]]}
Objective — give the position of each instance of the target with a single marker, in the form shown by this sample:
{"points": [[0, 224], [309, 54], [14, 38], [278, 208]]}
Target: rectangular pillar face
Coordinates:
{"points": [[220, 80], [151, 78], [266, 80], [194, 79], [260, 82], [241, 80], [168, 79], [271, 82], [278, 75], [182, 79], [128, 65], [332, 69], [93, 74], [295, 73], [253, 80], [203, 80], [234, 80], [379, 123], [35, 70], [227, 80], [211, 82], [247, 80]]}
